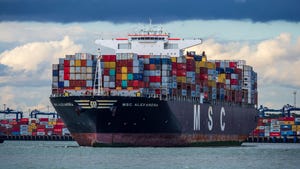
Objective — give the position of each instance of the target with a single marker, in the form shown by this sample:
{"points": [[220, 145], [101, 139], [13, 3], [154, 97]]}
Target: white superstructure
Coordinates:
{"points": [[150, 41]]}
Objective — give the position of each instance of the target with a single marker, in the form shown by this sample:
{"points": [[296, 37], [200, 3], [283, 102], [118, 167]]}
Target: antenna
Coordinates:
{"points": [[295, 92]]}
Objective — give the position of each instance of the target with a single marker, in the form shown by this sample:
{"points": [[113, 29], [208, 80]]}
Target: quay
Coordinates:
{"points": [[282, 139]]}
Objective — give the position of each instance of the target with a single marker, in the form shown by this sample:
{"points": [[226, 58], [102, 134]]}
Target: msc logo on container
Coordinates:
{"points": [[210, 122]]}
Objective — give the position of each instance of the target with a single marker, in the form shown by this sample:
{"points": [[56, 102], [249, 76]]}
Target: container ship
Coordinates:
{"points": [[152, 90]]}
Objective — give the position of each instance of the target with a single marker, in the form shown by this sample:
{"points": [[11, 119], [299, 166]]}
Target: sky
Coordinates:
{"points": [[35, 33]]}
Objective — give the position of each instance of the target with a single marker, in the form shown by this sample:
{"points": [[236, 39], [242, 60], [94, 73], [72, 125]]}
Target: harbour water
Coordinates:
{"points": [[68, 155]]}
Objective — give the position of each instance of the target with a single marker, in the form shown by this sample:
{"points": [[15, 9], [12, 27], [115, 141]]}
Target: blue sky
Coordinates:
{"points": [[34, 34]]}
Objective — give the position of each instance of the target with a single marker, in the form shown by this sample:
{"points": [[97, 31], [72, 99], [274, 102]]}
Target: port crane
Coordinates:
{"points": [[19, 114], [36, 112], [262, 111]]}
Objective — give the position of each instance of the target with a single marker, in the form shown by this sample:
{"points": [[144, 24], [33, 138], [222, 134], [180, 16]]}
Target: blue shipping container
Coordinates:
{"points": [[55, 73], [287, 133], [286, 127]]}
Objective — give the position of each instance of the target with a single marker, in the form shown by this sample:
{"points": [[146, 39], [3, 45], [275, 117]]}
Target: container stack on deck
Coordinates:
{"points": [[74, 73], [189, 76]]}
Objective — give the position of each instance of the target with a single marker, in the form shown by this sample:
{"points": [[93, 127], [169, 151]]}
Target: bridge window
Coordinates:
{"points": [[124, 46], [170, 46]]}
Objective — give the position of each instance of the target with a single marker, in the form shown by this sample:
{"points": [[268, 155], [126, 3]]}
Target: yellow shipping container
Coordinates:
{"points": [[129, 88], [294, 128], [201, 64], [124, 70], [118, 88], [204, 58], [289, 122], [181, 79], [77, 63], [124, 76], [173, 59], [106, 65], [112, 65], [298, 127], [221, 78], [77, 88], [211, 65], [197, 70], [211, 83]]}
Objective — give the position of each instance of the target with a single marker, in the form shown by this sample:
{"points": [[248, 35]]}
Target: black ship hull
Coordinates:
{"points": [[140, 121]]}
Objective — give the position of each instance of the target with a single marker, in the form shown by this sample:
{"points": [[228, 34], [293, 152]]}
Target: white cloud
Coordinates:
{"points": [[30, 56], [27, 85]]}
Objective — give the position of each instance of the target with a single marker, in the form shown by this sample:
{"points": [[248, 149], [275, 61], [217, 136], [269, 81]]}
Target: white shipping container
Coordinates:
{"points": [[297, 119], [106, 78], [77, 69], [54, 66], [234, 76], [65, 131], [78, 76], [89, 69], [89, 76], [54, 85], [54, 78], [72, 76], [112, 85], [83, 76], [83, 69], [61, 78], [40, 133], [89, 83], [72, 62]]}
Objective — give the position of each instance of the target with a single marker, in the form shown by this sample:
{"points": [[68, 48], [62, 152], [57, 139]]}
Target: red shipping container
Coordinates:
{"points": [[135, 83], [181, 66], [181, 72], [217, 64], [66, 70], [203, 70], [106, 72], [141, 84], [66, 63], [286, 118], [146, 66], [130, 62], [40, 129], [174, 72], [112, 58], [232, 64], [40, 126], [83, 63], [129, 69], [274, 134], [43, 119], [174, 65], [66, 76], [130, 83], [234, 82]]}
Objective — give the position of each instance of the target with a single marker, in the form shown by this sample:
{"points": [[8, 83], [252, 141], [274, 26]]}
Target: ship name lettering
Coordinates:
{"points": [[127, 104], [196, 117], [63, 104], [210, 120], [222, 124]]}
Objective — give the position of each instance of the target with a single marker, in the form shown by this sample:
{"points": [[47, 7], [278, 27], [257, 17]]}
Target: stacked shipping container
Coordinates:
{"points": [[277, 127], [187, 76], [74, 73], [33, 127]]}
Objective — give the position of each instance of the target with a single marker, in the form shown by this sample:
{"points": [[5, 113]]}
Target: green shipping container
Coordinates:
{"points": [[130, 76]]}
